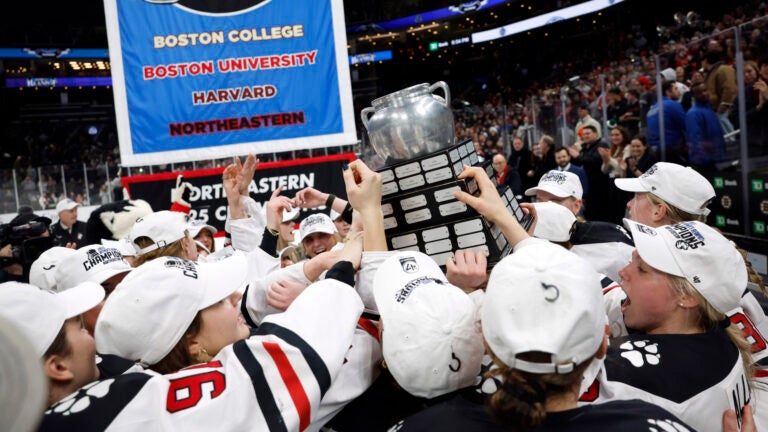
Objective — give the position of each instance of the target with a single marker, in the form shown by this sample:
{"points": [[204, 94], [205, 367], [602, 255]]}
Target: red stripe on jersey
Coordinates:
{"points": [[369, 327], [761, 373], [292, 383], [610, 288]]}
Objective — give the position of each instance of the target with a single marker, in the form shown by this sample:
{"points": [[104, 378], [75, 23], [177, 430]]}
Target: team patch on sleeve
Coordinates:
{"points": [[94, 406]]}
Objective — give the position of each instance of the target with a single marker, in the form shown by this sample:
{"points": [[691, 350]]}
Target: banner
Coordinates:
{"points": [[209, 203], [200, 79]]}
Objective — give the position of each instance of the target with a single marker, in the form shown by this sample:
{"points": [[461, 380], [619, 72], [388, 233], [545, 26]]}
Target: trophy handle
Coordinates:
{"points": [[443, 85], [364, 116]]}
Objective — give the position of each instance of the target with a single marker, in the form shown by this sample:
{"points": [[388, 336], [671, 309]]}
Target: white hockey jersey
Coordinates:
{"points": [[272, 381]]}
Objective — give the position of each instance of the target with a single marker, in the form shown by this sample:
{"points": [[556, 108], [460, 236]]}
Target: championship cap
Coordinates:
{"points": [[92, 263], [318, 222], [679, 186], [561, 184], [152, 308], [291, 215], [42, 274], [194, 226], [25, 385], [335, 215], [125, 246], [554, 222], [431, 341], [40, 314], [66, 204], [543, 280], [697, 252], [163, 228]]}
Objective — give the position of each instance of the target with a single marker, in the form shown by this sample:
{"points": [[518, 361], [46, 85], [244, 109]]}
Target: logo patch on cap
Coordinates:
{"points": [[101, 255], [645, 230], [409, 264], [554, 177], [688, 236], [650, 171], [402, 295], [188, 268]]}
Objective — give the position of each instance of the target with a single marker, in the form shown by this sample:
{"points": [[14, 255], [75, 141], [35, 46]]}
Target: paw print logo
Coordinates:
{"points": [[666, 426], [81, 399], [640, 353]]}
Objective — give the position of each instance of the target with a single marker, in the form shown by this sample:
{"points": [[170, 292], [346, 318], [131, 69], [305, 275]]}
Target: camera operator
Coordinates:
{"points": [[22, 240]]}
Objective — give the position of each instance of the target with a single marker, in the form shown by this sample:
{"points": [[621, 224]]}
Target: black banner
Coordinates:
{"points": [[209, 202]]}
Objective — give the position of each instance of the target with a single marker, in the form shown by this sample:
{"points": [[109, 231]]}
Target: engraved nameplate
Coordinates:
{"points": [[434, 162], [417, 216], [387, 176], [412, 182], [404, 241], [470, 240], [438, 175], [390, 223], [438, 246], [413, 202], [452, 208], [445, 194], [386, 209], [389, 188], [435, 234], [407, 170], [442, 258], [467, 227]]}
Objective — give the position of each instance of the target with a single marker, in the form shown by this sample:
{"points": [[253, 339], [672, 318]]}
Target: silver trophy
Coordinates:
{"points": [[412, 131]]}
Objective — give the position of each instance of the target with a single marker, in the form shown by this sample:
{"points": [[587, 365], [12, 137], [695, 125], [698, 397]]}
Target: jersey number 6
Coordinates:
{"points": [[187, 392]]}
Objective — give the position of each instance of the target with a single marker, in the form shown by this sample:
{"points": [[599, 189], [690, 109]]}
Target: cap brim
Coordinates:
{"points": [[81, 298], [320, 229], [629, 185], [103, 275], [653, 248], [224, 277], [554, 191]]}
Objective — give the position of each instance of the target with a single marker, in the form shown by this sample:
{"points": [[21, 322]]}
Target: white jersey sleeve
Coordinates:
{"points": [[272, 381], [255, 298]]}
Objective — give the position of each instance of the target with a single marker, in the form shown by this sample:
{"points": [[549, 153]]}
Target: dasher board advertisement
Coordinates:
{"points": [[204, 79]]}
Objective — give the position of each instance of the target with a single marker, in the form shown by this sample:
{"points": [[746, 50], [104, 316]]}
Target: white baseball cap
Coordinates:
{"points": [[163, 228], [125, 246], [42, 273], [334, 215], [543, 298], [66, 204], [25, 385], [669, 74], [431, 341], [152, 308], [318, 222], [700, 254], [40, 314], [561, 184], [291, 215], [679, 186], [554, 222], [194, 226], [92, 263]]}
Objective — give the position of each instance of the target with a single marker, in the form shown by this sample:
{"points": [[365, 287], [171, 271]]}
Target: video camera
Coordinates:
{"points": [[26, 242]]}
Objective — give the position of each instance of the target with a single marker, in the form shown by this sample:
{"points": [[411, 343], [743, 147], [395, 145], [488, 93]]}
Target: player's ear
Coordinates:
{"points": [[604, 344], [57, 368]]}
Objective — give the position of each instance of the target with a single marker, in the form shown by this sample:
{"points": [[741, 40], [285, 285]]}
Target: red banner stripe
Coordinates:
{"points": [[292, 383]]}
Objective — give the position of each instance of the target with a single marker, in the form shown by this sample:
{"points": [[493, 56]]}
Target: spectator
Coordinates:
{"points": [[563, 160], [543, 156], [589, 158], [674, 125], [68, 230], [505, 176], [720, 80], [586, 120], [706, 145], [640, 158], [521, 160], [630, 119]]}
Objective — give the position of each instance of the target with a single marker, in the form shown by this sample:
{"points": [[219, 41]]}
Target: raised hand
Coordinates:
{"points": [[467, 270]]}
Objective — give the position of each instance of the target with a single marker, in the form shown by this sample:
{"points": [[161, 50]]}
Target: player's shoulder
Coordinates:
{"points": [[94, 406]]}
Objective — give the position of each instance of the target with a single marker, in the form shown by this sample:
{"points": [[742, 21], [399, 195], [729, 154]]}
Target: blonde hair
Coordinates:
{"points": [[710, 318], [675, 214], [520, 403], [175, 249]]}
